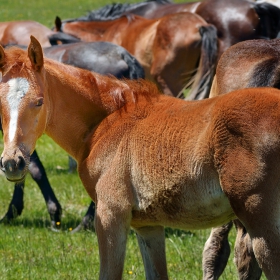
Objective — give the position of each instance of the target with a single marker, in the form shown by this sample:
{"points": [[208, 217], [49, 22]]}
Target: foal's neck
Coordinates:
{"points": [[79, 101]]}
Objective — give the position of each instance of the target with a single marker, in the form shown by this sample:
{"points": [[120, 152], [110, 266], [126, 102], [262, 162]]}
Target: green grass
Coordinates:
{"points": [[28, 248]]}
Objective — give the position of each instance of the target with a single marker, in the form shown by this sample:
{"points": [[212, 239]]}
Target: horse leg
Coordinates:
{"points": [[216, 252], [88, 220], [16, 204], [151, 241], [244, 258], [39, 175]]}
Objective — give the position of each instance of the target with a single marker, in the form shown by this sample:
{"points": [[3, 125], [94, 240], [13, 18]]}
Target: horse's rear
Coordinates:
{"points": [[184, 55], [252, 63], [18, 33]]}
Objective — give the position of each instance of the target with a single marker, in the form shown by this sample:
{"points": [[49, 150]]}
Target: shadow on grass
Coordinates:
{"points": [[70, 223], [67, 225]]}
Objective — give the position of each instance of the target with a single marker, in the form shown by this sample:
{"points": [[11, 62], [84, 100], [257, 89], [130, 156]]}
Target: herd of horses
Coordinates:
{"points": [[151, 160]]}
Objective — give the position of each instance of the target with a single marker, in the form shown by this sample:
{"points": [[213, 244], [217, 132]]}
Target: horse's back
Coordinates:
{"points": [[19, 32], [101, 57]]}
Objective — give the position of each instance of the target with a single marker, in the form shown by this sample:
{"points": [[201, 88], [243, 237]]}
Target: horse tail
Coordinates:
{"points": [[201, 83], [269, 16], [135, 69], [62, 38]]}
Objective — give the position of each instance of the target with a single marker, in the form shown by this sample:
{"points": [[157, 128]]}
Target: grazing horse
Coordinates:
{"points": [[149, 160], [170, 49], [101, 57], [18, 33], [235, 20], [252, 63]]}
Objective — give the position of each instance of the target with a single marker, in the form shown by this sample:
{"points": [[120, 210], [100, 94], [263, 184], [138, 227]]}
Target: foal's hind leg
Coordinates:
{"points": [[216, 252], [151, 241], [244, 258]]}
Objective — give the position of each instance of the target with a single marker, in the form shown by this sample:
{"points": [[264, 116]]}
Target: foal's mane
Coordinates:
{"points": [[114, 11]]}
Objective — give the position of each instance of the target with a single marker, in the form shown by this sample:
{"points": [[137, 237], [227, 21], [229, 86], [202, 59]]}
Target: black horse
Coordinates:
{"points": [[101, 57]]}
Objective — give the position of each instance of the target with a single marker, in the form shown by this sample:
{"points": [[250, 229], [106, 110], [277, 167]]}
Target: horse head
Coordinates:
{"points": [[22, 86]]}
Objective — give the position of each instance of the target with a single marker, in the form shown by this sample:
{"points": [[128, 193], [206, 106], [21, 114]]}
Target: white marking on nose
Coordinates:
{"points": [[18, 89]]}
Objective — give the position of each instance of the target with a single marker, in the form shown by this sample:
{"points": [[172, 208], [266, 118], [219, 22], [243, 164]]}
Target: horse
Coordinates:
{"points": [[149, 160], [170, 56], [249, 64], [101, 57], [235, 20], [18, 33]]}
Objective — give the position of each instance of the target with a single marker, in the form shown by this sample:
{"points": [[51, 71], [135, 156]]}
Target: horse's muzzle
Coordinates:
{"points": [[14, 168]]}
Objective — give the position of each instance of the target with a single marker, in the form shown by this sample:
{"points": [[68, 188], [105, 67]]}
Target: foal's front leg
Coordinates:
{"points": [[151, 241], [112, 227]]}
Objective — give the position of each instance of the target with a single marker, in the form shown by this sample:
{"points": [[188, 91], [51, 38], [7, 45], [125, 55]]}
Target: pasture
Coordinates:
{"points": [[29, 249]]}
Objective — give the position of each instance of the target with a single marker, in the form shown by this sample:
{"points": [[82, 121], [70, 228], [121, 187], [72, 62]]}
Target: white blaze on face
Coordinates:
{"points": [[18, 87]]}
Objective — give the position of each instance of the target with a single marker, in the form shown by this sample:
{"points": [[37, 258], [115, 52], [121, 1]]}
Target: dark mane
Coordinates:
{"points": [[115, 10]]}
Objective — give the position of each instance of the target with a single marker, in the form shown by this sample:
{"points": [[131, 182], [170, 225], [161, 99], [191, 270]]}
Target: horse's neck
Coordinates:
{"points": [[77, 106]]}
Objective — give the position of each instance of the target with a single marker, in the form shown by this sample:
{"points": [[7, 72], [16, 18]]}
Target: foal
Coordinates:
{"points": [[149, 160]]}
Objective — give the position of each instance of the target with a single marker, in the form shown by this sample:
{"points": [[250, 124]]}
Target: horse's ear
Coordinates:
{"points": [[58, 23], [35, 54]]}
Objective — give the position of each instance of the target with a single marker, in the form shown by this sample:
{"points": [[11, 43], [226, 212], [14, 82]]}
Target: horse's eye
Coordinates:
{"points": [[39, 102]]}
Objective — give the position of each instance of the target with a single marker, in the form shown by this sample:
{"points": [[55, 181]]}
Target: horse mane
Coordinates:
{"points": [[269, 19], [114, 11]]}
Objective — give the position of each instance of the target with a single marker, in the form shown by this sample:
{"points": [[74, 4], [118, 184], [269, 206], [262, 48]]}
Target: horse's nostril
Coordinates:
{"points": [[21, 163]]}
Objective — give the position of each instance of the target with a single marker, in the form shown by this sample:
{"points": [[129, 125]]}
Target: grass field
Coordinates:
{"points": [[28, 248]]}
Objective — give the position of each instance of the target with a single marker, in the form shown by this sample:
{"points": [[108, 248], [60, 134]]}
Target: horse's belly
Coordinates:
{"points": [[196, 206]]}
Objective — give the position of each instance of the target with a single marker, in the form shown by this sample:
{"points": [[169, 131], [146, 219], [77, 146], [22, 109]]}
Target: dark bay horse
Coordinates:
{"points": [[149, 160], [235, 20], [101, 57], [175, 50], [18, 33], [253, 63]]}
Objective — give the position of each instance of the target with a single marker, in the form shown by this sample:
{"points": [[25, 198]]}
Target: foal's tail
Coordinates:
{"points": [[201, 83], [135, 70]]}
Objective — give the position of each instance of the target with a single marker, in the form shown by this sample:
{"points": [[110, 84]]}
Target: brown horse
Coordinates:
{"points": [[170, 48], [235, 20], [253, 63], [149, 160], [18, 33]]}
